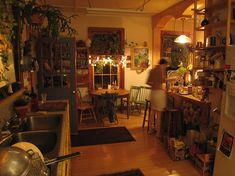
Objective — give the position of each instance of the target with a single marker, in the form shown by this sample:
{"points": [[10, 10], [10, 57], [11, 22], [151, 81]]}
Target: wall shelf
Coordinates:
{"points": [[213, 69], [217, 24], [217, 6]]}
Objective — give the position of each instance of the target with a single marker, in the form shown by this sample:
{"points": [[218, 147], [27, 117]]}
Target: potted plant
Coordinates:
{"points": [[22, 105]]}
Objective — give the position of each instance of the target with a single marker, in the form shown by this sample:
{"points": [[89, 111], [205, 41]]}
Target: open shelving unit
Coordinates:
{"points": [[218, 34], [82, 67]]}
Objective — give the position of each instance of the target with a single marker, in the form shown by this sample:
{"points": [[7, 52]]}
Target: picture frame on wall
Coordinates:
{"points": [[140, 58], [128, 57]]}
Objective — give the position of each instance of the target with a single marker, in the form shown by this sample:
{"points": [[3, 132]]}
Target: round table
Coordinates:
{"points": [[122, 93]]}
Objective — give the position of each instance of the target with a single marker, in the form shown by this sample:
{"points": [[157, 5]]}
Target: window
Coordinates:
{"points": [[105, 75]]}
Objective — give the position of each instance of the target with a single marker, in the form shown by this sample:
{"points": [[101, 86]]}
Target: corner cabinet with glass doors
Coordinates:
{"points": [[56, 76]]}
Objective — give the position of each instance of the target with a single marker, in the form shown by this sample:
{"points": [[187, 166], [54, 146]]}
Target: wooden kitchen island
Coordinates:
{"points": [[196, 113]]}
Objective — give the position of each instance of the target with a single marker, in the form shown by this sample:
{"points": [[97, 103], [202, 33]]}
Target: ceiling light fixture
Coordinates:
{"points": [[182, 39]]}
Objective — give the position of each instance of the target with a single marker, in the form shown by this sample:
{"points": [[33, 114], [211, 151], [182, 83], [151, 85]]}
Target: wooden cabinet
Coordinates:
{"points": [[56, 58], [82, 67], [56, 76]]}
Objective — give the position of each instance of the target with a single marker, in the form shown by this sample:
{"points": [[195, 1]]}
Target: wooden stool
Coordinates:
{"points": [[172, 123], [205, 163], [147, 109], [156, 120]]}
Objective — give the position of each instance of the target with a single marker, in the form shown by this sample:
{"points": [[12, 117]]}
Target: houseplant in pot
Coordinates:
{"points": [[22, 106]]}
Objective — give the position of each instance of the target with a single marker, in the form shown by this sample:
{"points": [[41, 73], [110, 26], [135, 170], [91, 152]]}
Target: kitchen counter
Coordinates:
{"points": [[196, 113], [188, 97], [60, 107]]}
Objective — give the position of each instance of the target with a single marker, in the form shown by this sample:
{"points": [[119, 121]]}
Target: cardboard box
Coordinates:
{"points": [[177, 153]]}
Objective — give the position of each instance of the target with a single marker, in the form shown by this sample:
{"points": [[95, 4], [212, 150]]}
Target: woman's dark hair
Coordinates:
{"points": [[162, 61]]}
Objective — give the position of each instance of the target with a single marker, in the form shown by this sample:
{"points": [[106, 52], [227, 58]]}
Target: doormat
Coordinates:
{"points": [[133, 172], [101, 136]]}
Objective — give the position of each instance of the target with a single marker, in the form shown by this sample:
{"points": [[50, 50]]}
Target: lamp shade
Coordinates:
{"points": [[183, 39]]}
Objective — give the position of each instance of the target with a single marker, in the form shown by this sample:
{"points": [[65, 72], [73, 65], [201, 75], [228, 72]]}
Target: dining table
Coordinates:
{"points": [[121, 93]]}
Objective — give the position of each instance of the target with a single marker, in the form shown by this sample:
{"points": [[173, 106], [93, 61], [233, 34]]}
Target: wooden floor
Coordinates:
{"points": [[146, 153]]}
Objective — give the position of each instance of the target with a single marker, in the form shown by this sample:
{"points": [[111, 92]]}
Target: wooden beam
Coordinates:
{"points": [[175, 11]]}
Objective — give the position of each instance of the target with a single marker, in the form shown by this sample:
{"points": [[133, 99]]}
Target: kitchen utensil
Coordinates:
{"points": [[204, 22], [61, 158], [15, 161], [27, 146]]}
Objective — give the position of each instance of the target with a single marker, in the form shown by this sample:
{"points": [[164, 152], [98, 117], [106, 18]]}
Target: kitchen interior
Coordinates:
{"points": [[47, 68]]}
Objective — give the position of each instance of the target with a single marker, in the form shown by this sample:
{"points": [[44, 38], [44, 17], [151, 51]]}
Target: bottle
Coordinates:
{"points": [[34, 100], [212, 80]]}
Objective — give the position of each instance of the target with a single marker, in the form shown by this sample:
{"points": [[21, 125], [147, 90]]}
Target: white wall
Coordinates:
{"points": [[137, 29]]}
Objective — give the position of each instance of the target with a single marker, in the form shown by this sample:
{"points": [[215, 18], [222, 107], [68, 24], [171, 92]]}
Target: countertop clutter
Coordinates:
{"points": [[196, 93], [49, 130]]}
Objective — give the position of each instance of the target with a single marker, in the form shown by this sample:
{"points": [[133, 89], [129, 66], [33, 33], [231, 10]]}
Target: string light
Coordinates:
{"points": [[112, 60]]}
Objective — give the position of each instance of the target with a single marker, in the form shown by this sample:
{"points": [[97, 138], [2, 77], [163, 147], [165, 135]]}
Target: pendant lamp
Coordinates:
{"points": [[182, 39]]}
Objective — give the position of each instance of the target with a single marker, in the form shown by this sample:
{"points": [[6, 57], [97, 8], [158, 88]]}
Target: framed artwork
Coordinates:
{"points": [[140, 58], [173, 52], [226, 144], [106, 41]]}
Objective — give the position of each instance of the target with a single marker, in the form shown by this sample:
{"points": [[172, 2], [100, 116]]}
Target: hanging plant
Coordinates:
{"points": [[14, 14], [29, 10], [47, 19], [7, 20]]}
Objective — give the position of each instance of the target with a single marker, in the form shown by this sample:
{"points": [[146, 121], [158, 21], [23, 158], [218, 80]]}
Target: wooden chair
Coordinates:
{"points": [[144, 94], [134, 92], [85, 108]]}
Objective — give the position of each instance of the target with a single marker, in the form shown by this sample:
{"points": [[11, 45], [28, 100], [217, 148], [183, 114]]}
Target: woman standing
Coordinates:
{"points": [[157, 80]]}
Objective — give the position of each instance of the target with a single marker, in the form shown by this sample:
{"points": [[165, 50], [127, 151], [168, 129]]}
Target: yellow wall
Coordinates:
{"points": [[137, 29]]}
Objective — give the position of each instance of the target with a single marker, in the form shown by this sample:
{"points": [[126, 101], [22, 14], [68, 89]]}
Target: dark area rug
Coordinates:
{"points": [[101, 136], [133, 172]]}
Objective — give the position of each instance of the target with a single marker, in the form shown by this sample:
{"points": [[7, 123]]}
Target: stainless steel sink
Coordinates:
{"points": [[47, 141], [42, 122], [44, 131]]}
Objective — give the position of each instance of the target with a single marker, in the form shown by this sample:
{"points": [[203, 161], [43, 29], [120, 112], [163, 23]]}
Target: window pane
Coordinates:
{"points": [[66, 80], [114, 78], [98, 81], [106, 81], [106, 69], [98, 69], [66, 66], [56, 65], [114, 70], [56, 81], [47, 82]]}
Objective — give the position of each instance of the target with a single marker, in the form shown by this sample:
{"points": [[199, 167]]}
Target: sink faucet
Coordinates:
{"points": [[6, 126], [12, 123]]}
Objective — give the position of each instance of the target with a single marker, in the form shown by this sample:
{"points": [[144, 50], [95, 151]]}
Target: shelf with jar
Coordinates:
{"points": [[82, 66], [210, 58], [220, 17]]}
